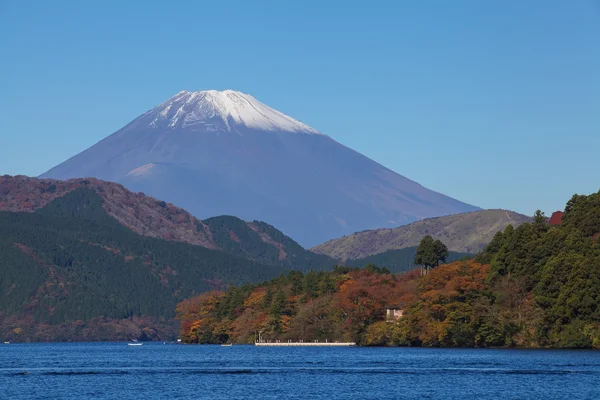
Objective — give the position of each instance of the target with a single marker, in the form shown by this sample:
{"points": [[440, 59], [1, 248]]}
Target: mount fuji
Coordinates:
{"points": [[226, 153]]}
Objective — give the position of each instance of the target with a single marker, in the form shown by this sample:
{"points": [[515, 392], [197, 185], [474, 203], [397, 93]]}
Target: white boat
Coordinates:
{"points": [[134, 344], [227, 344], [7, 342]]}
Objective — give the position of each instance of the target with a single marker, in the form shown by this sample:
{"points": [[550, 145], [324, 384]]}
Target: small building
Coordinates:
{"points": [[556, 218], [394, 313]]}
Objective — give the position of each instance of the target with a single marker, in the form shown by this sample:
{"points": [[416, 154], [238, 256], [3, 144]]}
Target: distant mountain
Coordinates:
{"points": [[462, 233], [226, 153], [256, 241], [72, 271]]}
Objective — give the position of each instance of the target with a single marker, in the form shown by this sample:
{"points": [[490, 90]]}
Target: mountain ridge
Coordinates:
{"points": [[151, 217], [462, 233]]}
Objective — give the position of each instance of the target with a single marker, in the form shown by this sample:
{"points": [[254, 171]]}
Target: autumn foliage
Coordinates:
{"points": [[346, 304], [443, 308], [534, 286], [338, 305]]}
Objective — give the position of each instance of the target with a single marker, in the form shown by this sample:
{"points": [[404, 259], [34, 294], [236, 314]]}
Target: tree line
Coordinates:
{"points": [[533, 286]]}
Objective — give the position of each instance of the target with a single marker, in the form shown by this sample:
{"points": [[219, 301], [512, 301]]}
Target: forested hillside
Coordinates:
{"points": [[70, 262], [533, 286], [261, 242], [337, 305], [559, 267], [136, 211], [256, 241]]}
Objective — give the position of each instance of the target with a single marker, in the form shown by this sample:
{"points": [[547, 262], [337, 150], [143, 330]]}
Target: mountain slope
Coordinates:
{"points": [[226, 153], [256, 241], [261, 242], [70, 262], [142, 214], [463, 233]]}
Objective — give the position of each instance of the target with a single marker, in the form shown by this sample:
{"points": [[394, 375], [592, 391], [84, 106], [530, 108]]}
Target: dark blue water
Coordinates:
{"points": [[158, 371]]}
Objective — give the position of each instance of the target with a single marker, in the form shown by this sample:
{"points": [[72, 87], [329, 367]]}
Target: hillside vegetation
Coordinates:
{"points": [[336, 305], [71, 267], [261, 242], [533, 286], [462, 233], [401, 260], [256, 241]]}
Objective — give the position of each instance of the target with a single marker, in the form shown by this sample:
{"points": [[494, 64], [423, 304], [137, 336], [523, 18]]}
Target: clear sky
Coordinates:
{"points": [[496, 103]]}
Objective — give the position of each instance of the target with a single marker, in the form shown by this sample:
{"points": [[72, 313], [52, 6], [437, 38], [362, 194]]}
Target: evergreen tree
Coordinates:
{"points": [[430, 253], [540, 222], [440, 251], [295, 277], [278, 305]]}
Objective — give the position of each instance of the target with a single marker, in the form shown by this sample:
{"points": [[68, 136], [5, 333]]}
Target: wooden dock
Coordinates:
{"points": [[274, 344]]}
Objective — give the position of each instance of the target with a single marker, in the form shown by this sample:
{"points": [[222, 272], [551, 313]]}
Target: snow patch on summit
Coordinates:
{"points": [[223, 110]]}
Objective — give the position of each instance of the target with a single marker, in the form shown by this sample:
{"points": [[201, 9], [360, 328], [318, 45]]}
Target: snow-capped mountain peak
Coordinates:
{"points": [[226, 153], [226, 110]]}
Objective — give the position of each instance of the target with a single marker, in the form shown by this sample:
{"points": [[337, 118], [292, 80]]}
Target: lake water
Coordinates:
{"points": [[158, 371]]}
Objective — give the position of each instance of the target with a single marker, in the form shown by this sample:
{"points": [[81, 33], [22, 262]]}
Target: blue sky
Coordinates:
{"points": [[496, 103]]}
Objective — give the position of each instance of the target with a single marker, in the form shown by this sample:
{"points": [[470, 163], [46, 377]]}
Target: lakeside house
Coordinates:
{"points": [[394, 313]]}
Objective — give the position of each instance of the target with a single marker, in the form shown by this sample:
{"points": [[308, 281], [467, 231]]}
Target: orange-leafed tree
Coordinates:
{"points": [[361, 300], [444, 314], [200, 322]]}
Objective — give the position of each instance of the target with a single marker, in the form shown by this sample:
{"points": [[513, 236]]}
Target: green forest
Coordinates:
{"points": [[401, 260], [70, 270], [70, 261], [261, 242]]}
